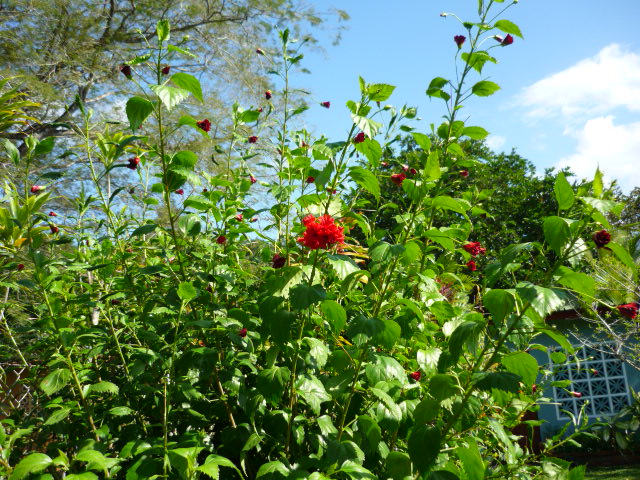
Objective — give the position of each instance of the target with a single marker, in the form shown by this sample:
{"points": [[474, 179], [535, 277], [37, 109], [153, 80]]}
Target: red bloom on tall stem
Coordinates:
{"points": [[180, 191], [463, 173], [252, 179], [165, 70], [629, 310], [259, 51], [325, 104], [204, 125], [53, 214], [459, 39], [20, 267], [133, 163], [398, 178], [126, 71], [221, 240], [321, 232], [278, 261], [471, 265], [575, 394], [508, 40], [242, 332], [310, 179], [36, 188], [359, 138], [474, 248], [601, 238], [54, 229], [267, 94], [253, 139], [416, 375]]}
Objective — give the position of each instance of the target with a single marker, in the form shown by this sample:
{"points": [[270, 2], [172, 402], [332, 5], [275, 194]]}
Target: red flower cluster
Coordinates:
{"points": [[359, 138], [321, 232], [471, 265], [629, 310], [278, 261], [221, 240], [253, 139], [310, 179], [165, 70], [133, 163], [398, 178], [601, 238], [474, 248], [415, 375], [459, 39], [54, 229], [204, 125], [242, 332]]}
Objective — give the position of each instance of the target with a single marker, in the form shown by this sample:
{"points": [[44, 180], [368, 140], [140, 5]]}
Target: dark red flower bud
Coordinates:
{"points": [[277, 261], [180, 191], [310, 179], [36, 188], [253, 220], [594, 372], [413, 171], [205, 190], [471, 265], [534, 388], [221, 240], [267, 94], [126, 70], [166, 70], [416, 375], [384, 164], [463, 173], [242, 332], [54, 229], [115, 301], [209, 289], [133, 163], [459, 39], [259, 51], [20, 267], [508, 40], [398, 178], [204, 125], [629, 310], [601, 238], [405, 168], [359, 138], [325, 104], [252, 179], [575, 394], [129, 250], [239, 217], [53, 214], [253, 139]]}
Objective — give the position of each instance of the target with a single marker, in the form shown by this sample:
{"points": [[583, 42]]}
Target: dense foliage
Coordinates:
{"points": [[192, 345]]}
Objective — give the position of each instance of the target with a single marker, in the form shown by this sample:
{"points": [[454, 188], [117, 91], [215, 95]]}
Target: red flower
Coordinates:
{"points": [[205, 190], [405, 168], [474, 248], [267, 94], [204, 125], [133, 163], [534, 388], [126, 71], [384, 164], [209, 289], [321, 232], [36, 188], [221, 240], [415, 375], [359, 138], [310, 179], [54, 229], [259, 51], [115, 301], [20, 266], [575, 394], [464, 173], [459, 39], [471, 265], [629, 310], [180, 191], [53, 214], [239, 217], [165, 70], [398, 178], [601, 238], [413, 171], [253, 139], [277, 261], [260, 110], [252, 179], [325, 104], [242, 332], [594, 372], [508, 40], [253, 220]]}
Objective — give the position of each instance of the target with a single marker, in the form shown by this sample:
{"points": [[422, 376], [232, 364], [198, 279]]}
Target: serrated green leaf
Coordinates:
{"points": [[500, 303], [424, 446], [138, 109], [187, 292], [163, 30], [523, 365], [366, 179], [484, 88], [557, 233], [188, 82], [335, 314], [32, 463], [508, 27], [170, 96], [55, 381], [271, 383], [564, 193], [144, 230]]}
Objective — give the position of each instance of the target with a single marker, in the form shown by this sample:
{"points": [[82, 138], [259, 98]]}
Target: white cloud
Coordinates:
{"points": [[613, 148], [494, 142], [594, 86]]}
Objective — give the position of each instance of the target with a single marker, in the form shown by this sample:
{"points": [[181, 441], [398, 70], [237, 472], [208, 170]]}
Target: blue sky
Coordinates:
{"points": [[570, 90]]}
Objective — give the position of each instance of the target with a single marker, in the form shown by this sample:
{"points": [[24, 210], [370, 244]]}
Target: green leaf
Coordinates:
{"points": [[12, 151], [522, 364], [426, 411], [471, 460], [363, 330], [121, 411], [435, 88], [33, 463], [603, 206], [477, 59], [557, 233], [211, 464], [484, 88], [103, 387], [465, 333], [371, 149], [443, 475], [187, 292], [55, 381], [138, 109], [424, 446], [312, 391], [543, 300], [623, 255], [564, 193], [303, 296], [442, 386], [398, 465], [422, 140], [82, 476], [500, 303], [379, 92], [448, 203], [269, 469], [356, 471], [335, 314], [188, 82], [170, 96], [44, 146], [96, 460], [388, 413], [368, 126], [597, 183], [144, 229], [577, 281], [163, 30], [505, 381], [366, 179], [318, 352], [57, 416], [508, 27], [432, 168], [477, 133], [271, 383]]}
